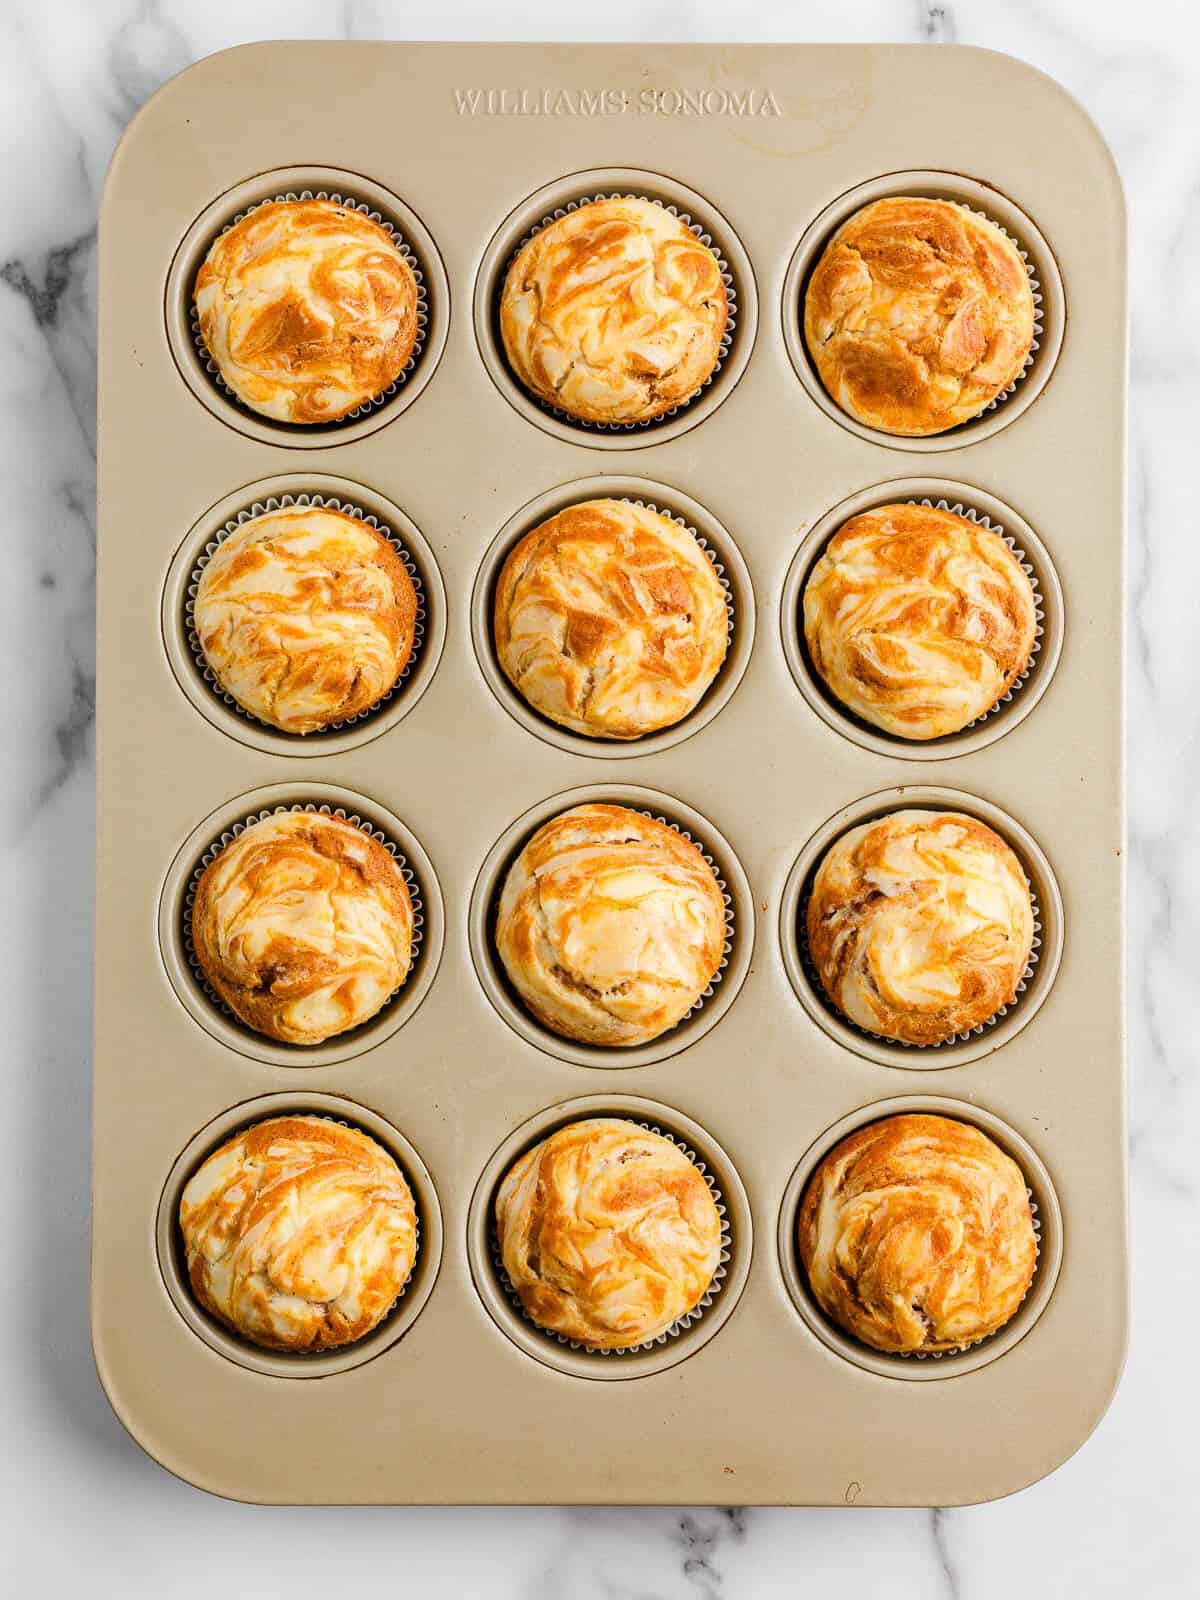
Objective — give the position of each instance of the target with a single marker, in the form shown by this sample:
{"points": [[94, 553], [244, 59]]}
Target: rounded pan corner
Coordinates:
{"points": [[1038, 80], [1062, 1455], [152, 108], [140, 1436]]}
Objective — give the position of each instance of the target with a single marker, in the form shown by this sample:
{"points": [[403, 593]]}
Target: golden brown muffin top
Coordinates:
{"points": [[299, 1233], [610, 619], [916, 1234], [920, 925], [918, 620], [303, 925], [614, 312], [918, 314], [306, 616], [608, 1233], [308, 308], [611, 925]]}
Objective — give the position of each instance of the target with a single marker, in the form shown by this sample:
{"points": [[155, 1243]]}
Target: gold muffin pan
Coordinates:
{"points": [[464, 150]]}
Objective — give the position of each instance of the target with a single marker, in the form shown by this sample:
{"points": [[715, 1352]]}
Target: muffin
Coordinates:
{"points": [[614, 312], [916, 1235], [306, 617], [918, 620], [608, 1233], [610, 620], [303, 926], [920, 925], [299, 1234], [308, 309], [917, 315], [610, 926]]}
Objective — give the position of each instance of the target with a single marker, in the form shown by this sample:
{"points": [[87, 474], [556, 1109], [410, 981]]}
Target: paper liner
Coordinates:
{"points": [[730, 927], [818, 988], [305, 1355], [349, 203], [681, 1324], [277, 503], [727, 334], [228, 835]]}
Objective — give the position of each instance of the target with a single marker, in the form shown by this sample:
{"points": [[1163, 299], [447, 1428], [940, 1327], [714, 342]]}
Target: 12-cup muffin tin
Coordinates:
{"points": [[463, 150]]}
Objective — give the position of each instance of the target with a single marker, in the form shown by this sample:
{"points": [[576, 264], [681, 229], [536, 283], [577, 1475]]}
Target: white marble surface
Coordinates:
{"points": [[80, 1501]]}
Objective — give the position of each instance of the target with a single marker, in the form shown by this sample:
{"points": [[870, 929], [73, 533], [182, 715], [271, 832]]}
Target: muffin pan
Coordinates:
{"points": [[455, 1397]]}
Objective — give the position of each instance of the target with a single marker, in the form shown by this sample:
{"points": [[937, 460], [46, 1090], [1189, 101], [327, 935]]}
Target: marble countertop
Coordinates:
{"points": [[81, 1501]]}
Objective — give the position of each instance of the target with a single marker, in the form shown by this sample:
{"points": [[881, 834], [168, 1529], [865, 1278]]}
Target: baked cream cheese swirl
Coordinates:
{"points": [[610, 925], [306, 616], [916, 1234], [614, 312], [918, 620], [303, 925], [308, 309], [608, 1233], [920, 925], [299, 1233]]}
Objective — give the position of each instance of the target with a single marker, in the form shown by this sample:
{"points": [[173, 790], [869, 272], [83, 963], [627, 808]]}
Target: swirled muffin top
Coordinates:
{"points": [[308, 308], [614, 312], [608, 1233], [610, 619], [916, 1234], [303, 926], [920, 925], [299, 1233], [306, 617], [918, 620], [917, 315], [611, 925]]}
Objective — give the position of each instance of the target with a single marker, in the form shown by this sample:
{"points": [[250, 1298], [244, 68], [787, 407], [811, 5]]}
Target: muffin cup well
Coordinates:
{"points": [[281, 1363], [713, 539], [353, 191], [197, 679], [925, 1366], [1013, 706], [717, 997], [986, 1036], [555, 200], [691, 1331], [1049, 302], [207, 841]]}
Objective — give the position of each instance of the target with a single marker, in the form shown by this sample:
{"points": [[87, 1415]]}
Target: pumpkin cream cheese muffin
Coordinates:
{"points": [[918, 620], [303, 926], [610, 619], [306, 617], [610, 925], [308, 309], [614, 312], [608, 1233], [916, 1235], [920, 925], [917, 315], [299, 1234]]}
